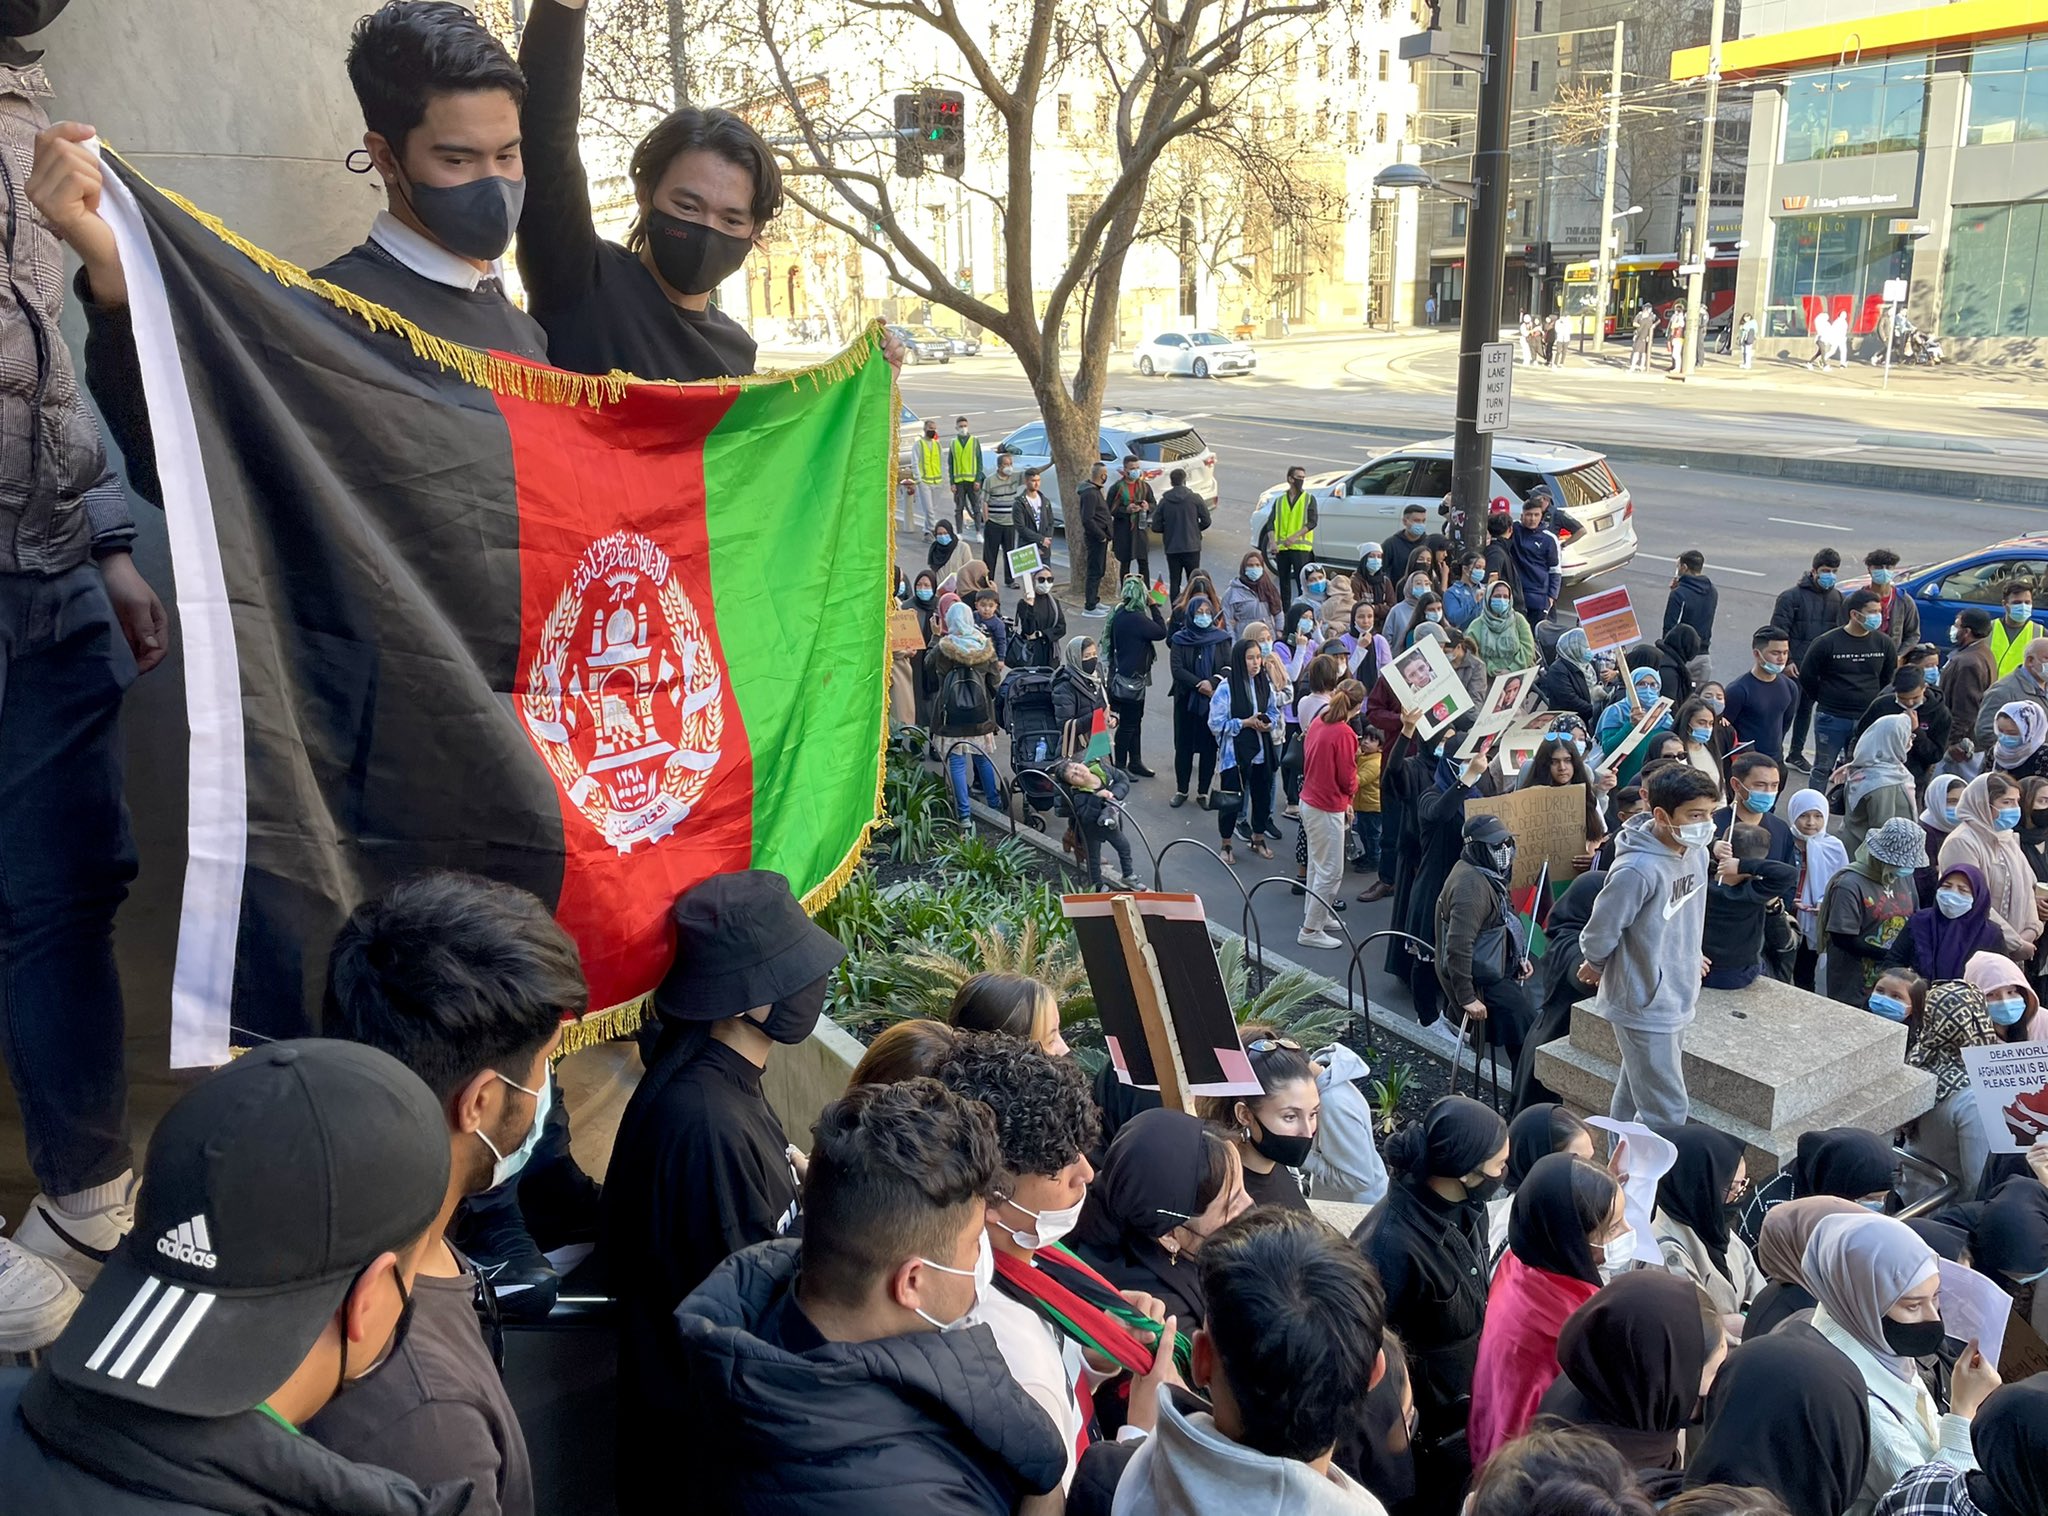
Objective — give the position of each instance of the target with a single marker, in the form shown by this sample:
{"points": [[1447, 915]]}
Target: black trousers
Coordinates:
{"points": [[966, 501], [1289, 563], [1098, 565], [1180, 568], [1194, 747], [1802, 720], [1124, 742], [1133, 550], [1248, 785], [996, 542]]}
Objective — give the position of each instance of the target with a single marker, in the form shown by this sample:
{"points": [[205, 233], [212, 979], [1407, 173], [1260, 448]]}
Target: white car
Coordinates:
{"points": [[1161, 444], [1363, 504], [1197, 352]]}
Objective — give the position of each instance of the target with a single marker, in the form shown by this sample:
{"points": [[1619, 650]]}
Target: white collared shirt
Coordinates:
{"points": [[428, 258]]}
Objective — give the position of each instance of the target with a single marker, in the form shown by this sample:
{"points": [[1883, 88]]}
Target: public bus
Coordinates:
{"points": [[1647, 276]]}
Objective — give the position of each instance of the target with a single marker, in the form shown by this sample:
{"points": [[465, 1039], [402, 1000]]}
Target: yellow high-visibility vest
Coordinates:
{"points": [[931, 465], [966, 459], [2008, 647], [1289, 517]]}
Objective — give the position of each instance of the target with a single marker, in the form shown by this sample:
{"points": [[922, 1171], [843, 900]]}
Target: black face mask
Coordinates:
{"points": [[1487, 1187], [475, 219], [692, 258], [1914, 1339], [792, 1020], [1290, 1151]]}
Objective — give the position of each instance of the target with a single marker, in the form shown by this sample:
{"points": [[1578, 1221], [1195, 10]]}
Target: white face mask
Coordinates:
{"points": [[984, 1272], [1696, 833], [511, 1163], [1047, 1227], [1617, 1254]]}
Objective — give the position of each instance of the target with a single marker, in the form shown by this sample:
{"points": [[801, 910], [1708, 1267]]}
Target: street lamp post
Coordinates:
{"points": [[1607, 198], [1703, 196]]}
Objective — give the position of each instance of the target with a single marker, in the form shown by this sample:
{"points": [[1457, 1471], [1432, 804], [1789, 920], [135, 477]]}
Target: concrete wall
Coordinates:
{"points": [[801, 1081]]}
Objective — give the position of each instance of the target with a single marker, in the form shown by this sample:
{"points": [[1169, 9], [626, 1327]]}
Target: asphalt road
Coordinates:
{"points": [[1758, 534]]}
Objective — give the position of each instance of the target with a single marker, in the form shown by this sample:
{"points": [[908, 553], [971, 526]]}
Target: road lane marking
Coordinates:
{"points": [[1729, 568], [1818, 526]]}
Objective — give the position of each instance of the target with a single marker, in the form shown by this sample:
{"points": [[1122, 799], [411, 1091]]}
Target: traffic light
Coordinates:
{"points": [[909, 150], [931, 123]]}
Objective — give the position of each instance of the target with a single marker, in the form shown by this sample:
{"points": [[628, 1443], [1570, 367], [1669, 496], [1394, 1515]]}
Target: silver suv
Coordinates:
{"points": [[1160, 444]]}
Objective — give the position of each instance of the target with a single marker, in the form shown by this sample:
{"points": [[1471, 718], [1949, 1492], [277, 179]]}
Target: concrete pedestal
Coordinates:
{"points": [[1765, 1064]]}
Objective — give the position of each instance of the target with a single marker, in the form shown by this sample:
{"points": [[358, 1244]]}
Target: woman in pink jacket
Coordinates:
{"points": [[1566, 1232]]}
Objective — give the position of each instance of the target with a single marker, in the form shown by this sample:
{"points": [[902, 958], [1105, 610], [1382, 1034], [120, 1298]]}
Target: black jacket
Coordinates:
{"points": [[1181, 517], [1033, 525], [1692, 602], [89, 1456], [1564, 687], [1194, 655], [1074, 701], [1804, 612], [1134, 641], [1095, 521], [1432, 1258], [930, 1422], [1930, 732]]}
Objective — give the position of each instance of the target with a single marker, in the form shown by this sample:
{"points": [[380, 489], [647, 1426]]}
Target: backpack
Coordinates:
{"points": [[964, 703]]}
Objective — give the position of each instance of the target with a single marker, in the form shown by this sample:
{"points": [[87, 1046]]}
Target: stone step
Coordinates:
{"points": [[1898, 1093], [1769, 1055]]}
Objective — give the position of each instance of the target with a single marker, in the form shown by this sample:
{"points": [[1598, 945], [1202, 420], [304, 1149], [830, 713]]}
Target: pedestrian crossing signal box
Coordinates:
{"points": [[931, 123]]}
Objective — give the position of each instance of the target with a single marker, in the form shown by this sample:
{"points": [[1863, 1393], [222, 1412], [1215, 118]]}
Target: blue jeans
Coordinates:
{"points": [[65, 863], [985, 771], [1830, 736], [1367, 825]]}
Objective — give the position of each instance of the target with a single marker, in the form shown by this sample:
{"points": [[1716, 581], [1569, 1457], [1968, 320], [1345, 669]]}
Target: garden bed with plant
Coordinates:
{"points": [[934, 903]]}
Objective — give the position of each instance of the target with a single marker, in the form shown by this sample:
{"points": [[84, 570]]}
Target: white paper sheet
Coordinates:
{"points": [[1974, 1309], [1645, 1159]]}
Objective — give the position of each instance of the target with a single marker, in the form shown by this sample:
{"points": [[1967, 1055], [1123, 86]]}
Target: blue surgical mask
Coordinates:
{"points": [[1701, 734], [1253, 573], [1932, 673], [2010, 744], [1880, 576], [943, 541], [2006, 1010], [1416, 592], [2008, 818], [1774, 669], [1647, 693], [1872, 620], [1432, 615], [1318, 588], [1948, 814], [924, 594], [1889, 1007], [1825, 580], [1715, 704], [1497, 607], [1477, 576], [509, 1164], [1412, 528], [1761, 801], [1308, 624], [1953, 903], [2018, 614], [1204, 620], [1373, 562]]}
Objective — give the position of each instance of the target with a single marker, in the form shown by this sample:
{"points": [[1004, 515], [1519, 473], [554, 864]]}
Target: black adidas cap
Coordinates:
{"points": [[268, 1188]]}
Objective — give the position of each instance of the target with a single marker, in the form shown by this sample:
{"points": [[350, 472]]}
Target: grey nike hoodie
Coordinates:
{"points": [[1645, 930]]}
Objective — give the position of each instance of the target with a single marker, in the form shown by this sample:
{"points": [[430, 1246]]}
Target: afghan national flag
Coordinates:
{"points": [[1098, 739], [1533, 906], [445, 609]]}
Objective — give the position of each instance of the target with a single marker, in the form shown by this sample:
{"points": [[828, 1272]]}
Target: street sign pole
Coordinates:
{"points": [[1485, 260], [1695, 317], [1606, 266]]}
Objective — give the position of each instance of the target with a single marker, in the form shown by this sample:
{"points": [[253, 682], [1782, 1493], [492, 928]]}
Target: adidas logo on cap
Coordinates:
{"points": [[188, 1243]]}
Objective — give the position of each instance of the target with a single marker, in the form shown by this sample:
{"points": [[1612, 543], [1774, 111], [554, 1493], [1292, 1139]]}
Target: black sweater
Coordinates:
{"points": [[600, 306]]}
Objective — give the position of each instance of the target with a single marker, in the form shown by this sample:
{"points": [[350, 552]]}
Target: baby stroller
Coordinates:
{"points": [[1035, 740]]}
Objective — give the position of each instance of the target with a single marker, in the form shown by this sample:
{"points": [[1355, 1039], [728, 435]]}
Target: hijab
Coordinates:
{"points": [[1535, 1134], [1076, 654], [1935, 812], [1149, 1184], [1781, 1241], [2013, 880], [1190, 635], [2009, 1231], [2032, 720], [1942, 947], [1573, 647], [1634, 1354], [2009, 1435], [964, 639], [1788, 1414], [1682, 642], [1954, 1019], [1453, 1138], [1949, 1242], [1691, 1191], [1843, 1160], [1249, 696], [1132, 597], [1857, 1267], [1546, 1229], [1880, 760], [1990, 972]]}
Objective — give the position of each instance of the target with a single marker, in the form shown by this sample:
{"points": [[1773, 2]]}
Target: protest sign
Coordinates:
{"points": [[1549, 823], [1024, 561], [1609, 620], [2009, 1081], [1637, 735], [905, 635], [1423, 680], [1641, 1158], [1974, 1309], [1503, 701]]}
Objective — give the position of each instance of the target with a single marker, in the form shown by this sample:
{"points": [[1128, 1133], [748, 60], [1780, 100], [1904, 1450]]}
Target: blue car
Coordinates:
{"points": [[1978, 579]]}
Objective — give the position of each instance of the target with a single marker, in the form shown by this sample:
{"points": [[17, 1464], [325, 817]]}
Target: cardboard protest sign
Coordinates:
{"points": [[2009, 1081], [1024, 561], [2025, 1353], [1637, 735], [1549, 823], [1423, 680], [1198, 1038], [905, 635], [1609, 620]]}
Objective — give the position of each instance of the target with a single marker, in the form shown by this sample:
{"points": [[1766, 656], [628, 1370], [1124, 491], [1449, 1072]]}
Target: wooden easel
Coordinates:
{"points": [[1150, 993]]}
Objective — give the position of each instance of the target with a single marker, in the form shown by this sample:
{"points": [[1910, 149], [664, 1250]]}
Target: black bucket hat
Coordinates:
{"points": [[742, 940]]}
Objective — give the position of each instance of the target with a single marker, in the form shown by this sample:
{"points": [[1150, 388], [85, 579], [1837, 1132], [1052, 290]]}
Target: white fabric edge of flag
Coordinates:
{"points": [[217, 818]]}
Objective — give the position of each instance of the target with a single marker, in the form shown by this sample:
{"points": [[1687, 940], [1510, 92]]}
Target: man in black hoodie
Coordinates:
{"points": [[1693, 598], [1810, 609], [835, 1375], [1182, 517], [278, 1231], [1095, 531], [1844, 671]]}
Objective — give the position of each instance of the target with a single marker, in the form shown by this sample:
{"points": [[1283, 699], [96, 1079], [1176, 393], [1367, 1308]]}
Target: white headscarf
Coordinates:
{"points": [[1858, 1267], [1881, 758], [1935, 812], [2032, 720]]}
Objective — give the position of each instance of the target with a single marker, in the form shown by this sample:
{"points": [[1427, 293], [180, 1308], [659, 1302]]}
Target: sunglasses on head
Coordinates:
{"points": [[1270, 1044]]}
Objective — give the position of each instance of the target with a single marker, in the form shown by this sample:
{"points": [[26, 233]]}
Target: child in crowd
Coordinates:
{"points": [[1744, 901], [1821, 857], [1899, 995], [1365, 815], [1628, 801], [1866, 907], [988, 615], [1098, 816]]}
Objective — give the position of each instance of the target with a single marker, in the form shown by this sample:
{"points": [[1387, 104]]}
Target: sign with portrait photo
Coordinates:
{"points": [[1423, 680]]}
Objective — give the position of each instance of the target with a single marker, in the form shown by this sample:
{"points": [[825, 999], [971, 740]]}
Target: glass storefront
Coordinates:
{"points": [[2008, 92], [1857, 109], [1826, 265], [1995, 272]]}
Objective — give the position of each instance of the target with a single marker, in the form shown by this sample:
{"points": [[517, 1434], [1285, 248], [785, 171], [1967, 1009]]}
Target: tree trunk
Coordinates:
{"points": [[1073, 429]]}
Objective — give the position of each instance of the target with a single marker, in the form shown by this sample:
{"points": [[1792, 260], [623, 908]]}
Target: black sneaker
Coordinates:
{"points": [[1272, 829], [1799, 761], [496, 1240]]}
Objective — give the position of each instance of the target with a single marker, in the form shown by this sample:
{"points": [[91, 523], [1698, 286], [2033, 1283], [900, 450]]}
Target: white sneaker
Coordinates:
{"points": [[1318, 940], [77, 1244], [36, 1300]]}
